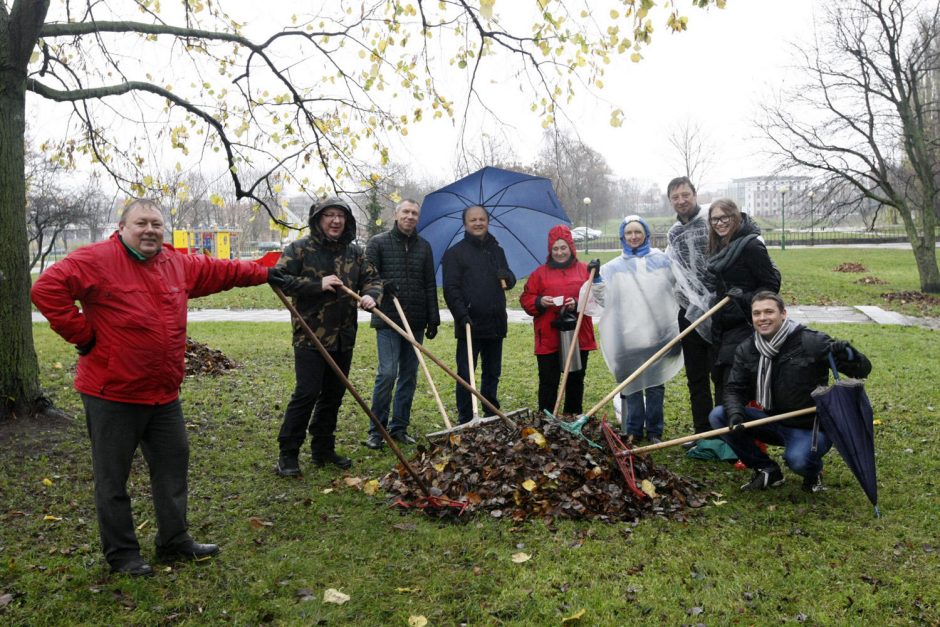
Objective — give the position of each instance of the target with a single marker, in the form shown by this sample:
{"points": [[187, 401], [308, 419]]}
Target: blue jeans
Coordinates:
{"points": [[397, 360], [645, 409], [490, 351], [797, 443]]}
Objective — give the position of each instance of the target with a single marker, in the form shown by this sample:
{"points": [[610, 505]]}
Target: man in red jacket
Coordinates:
{"points": [[131, 338]]}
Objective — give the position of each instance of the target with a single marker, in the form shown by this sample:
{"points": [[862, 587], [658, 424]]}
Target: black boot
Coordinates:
{"points": [[323, 452]]}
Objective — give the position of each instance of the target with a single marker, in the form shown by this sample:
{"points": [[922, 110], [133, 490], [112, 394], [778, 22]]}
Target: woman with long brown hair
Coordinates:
{"points": [[739, 266]]}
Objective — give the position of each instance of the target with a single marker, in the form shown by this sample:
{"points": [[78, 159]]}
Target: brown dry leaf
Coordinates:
{"points": [[257, 522], [332, 595], [574, 617], [353, 482], [454, 440], [529, 485], [417, 621], [648, 488], [371, 487], [473, 498], [5, 599], [520, 558]]}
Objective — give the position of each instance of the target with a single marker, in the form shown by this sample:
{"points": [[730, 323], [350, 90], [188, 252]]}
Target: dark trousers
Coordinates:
{"points": [[318, 392], [116, 430], [550, 369], [490, 350], [698, 365]]}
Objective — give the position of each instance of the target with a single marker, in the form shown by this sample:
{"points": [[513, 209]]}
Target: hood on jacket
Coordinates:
{"points": [[556, 233], [748, 226], [349, 231], [644, 248]]}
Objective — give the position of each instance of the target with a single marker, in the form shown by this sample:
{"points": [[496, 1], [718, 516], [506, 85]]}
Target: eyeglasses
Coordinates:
{"points": [[720, 220]]}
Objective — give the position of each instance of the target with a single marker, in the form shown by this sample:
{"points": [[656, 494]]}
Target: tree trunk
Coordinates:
{"points": [[925, 255], [19, 368]]}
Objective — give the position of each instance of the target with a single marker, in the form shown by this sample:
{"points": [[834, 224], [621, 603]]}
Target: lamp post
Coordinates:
{"points": [[587, 236], [783, 217], [812, 207]]}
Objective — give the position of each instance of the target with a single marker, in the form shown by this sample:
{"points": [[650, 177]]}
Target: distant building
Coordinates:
{"points": [[764, 195]]}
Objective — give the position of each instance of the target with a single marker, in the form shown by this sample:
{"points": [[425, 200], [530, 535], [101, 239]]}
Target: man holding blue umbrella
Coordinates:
{"points": [[778, 368], [476, 277]]}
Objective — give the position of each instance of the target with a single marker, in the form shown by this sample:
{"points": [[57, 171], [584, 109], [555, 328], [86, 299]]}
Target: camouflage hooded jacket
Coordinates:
{"points": [[331, 315]]}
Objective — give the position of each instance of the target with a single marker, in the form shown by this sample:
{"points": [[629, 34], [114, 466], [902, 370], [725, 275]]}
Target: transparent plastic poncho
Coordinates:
{"points": [[637, 313], [686, 252]]}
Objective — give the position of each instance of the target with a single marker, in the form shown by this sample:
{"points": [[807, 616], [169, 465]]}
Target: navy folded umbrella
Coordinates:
{"points": [[522, 208], [846, 416]]}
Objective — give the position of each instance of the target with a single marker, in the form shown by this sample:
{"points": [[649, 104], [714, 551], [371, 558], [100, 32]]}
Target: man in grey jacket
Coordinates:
{"points": [[404, 258]]}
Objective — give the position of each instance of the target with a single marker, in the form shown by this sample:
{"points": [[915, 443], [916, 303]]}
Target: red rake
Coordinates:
{"points": [[621, 451]]}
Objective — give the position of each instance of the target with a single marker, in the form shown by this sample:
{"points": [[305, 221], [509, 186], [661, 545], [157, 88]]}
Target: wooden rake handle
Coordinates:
{"points": [[665, 349], [722, 431], [424, 365], [437, 361], [349, 386], [570, 355]]}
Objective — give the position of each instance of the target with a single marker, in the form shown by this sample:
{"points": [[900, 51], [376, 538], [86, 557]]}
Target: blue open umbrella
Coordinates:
{"points": [[846, 416], [522, 208]]}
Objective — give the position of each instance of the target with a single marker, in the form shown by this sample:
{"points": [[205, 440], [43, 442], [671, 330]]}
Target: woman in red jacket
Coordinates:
{"points": [[552, 289]]}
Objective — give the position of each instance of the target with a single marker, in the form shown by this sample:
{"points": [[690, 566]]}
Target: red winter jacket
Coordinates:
{"points": [[548, 281], [136, 313]]}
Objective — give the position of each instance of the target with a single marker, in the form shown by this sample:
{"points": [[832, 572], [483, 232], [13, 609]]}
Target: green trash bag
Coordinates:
{"points": [[712, 449]]}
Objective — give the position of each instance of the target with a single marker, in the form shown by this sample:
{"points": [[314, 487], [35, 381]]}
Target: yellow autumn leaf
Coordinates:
{"points": [[717, 502], [636, 57], [407, 590], [143, 525], [574, 617], [486, 8], [57, 365], [648, 488], [876, 422], [534, 436], [417, 621], [326, 490], [46, 481], [520, 558], [332, 595], [51, 518], [528, 484], [371, 487], [217, 200]]}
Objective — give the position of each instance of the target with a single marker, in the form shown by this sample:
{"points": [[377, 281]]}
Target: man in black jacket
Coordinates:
{"points": [[403, 257], [777, 369], [476, 277]]}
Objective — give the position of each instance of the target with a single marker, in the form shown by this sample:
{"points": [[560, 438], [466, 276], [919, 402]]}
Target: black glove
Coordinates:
{"points": [[279, 277], [842, 350], [431, 332], [463, 321], [735, 293], [736, 422], [503, 275], [390, 289], [85, 348], [595, 265]]}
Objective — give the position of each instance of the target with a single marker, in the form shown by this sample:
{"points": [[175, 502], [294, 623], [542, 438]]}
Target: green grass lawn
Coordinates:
{"points": [[809, 278], [767, 558]]}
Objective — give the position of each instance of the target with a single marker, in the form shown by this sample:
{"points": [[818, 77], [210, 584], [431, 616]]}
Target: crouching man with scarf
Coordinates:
{"points": [[774, 372]]}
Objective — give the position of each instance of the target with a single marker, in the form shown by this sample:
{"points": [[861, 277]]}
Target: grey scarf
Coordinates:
{"points": [[768, 350]]}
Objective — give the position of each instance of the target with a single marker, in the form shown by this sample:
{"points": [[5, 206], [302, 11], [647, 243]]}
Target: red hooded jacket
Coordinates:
{"points": [[136, 313], [548, 281]]}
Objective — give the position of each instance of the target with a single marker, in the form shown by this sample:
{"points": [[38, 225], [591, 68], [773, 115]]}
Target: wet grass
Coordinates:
{"points": [[779, 556]]}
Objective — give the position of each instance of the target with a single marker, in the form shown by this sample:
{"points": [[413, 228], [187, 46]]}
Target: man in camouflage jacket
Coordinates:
{"points": [[312, 269]]}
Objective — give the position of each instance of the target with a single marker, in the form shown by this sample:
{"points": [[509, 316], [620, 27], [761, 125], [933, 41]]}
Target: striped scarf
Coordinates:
{"points": [[768, 350]]}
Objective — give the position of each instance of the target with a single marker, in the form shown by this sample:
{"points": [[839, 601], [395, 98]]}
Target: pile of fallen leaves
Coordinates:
{"points": [[912, 297], [200, 359], [542, 471], [849, 266], [870, 280]]}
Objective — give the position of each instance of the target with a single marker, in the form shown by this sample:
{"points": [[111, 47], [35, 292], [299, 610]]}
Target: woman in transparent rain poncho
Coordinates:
{"points": [[636, 292]]}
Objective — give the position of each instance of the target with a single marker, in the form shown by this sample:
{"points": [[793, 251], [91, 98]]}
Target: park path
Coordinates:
{"points": [[861, 314]]}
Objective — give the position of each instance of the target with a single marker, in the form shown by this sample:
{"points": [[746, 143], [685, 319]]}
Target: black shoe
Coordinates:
{"points": [[655, 439], [190, 550], [764, 478], [332, 458], [374, 441], [287, 465], [403, 437], [136, 567], [689, 445], [812, 484]]}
